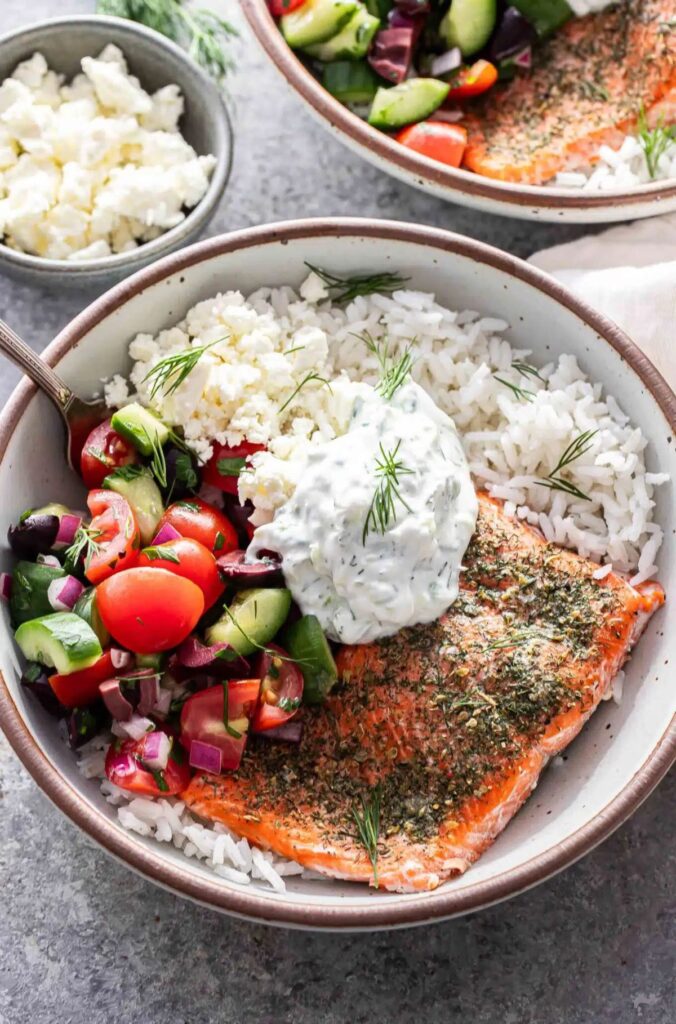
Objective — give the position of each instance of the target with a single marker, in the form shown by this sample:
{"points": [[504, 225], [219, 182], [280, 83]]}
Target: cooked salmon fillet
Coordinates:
{"points": [[447, 725], [586, 88]]}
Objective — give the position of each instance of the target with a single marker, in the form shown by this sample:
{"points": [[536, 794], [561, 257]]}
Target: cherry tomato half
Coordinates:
{"points": [[204, 523], [114, 533], [280, 7], [436, 140], [281, 689], [223, 468], [188, 558], [78, 689], [149, 610], [125, 768], [203, 718], [469, 82], [103, 451]]}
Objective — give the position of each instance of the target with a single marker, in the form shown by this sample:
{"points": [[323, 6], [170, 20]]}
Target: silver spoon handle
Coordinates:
{"points": [[25, 358]]}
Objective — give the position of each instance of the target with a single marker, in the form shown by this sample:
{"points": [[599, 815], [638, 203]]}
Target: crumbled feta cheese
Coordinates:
{"points": [[95, 166]]}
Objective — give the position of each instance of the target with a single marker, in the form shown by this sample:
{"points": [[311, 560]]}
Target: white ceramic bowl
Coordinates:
{"points": [[528, 202], [155, 61], [623, 751]]}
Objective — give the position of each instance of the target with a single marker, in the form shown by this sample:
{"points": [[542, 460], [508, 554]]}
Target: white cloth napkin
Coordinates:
{"points": [[629, 274]]}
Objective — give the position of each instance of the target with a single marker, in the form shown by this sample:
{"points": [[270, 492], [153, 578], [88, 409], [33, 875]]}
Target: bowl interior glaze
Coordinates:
{"points": [[622, 752]]}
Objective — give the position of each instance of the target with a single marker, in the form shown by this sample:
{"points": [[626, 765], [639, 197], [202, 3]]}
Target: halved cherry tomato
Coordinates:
{"points": [[223, 468], [204, 718], [195, 518], [472, 81], [103, 451], [280, 7], [188, 558], [436, 140], [149, 610], [126, 769], [281, 689], [78, 689], [115, 535]]}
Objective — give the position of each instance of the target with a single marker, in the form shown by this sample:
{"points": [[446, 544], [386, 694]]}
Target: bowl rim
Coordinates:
{"points": [[467, 183], [381, 913], [197, 216]]}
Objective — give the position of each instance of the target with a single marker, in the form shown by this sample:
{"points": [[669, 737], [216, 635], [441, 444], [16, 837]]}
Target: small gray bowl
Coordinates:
{"points": [[156, 61]]}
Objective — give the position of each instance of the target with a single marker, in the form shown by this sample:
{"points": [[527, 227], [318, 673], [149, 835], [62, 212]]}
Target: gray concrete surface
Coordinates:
{"points": [[83, 941]]}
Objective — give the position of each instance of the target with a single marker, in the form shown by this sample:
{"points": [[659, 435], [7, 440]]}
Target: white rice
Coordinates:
{"points": [[619, 169], [167, 820]]}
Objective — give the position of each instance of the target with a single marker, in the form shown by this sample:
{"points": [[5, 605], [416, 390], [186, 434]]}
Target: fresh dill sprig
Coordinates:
{"points": [[519, 638], [158, 461], [346, 289], [392, 373], [367, 820], [578, 447], [306, 380], [230, 729], [655, 141], [517, 391], [383, 510], [170, 372], [261, 647], [592, 90], [85, 546], [201, 32], [526, 370]]}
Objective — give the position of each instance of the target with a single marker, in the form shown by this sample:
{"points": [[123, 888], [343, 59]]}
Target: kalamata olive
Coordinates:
{"points": [[82, 724], [33, 535], [238, 514], [220, 659], [35, 679], [266, 572], [182, 472], [513, 34]]}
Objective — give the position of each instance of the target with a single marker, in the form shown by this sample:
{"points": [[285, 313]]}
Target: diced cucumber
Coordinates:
{"points": [[62, 641], [352, 42], [85, 607], [30, 583], [54, 508], [316, 21], [413, 100], [252, 620], [155, 661], [544, 15], [306, 643], [141, 427], [351, 81], [469, 24], [136, 484]]}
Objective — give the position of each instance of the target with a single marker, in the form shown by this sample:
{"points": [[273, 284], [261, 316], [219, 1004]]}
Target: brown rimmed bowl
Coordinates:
{"points": [[623, 751], [527, 202]]}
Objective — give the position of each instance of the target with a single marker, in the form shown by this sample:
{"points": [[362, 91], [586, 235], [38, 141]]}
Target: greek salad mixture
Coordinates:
{"points": [[414, 69], [253, 500]]}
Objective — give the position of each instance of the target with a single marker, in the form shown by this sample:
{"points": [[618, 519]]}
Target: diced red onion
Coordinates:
{"points": [[524, 59], [447, 62], [5, 586], [150, 691], [205, 757], [163, 702], [121, 659], [165, 534], [63, 593], [68, 526], [115, 700], [287, 732], [194, 654], [50, 560], [447, 116], [120, 765], [137, 727], [392, 52], [156, 749]]}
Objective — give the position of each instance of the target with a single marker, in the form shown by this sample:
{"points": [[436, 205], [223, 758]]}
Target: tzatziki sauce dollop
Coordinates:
{"points": [[366, 575]]}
